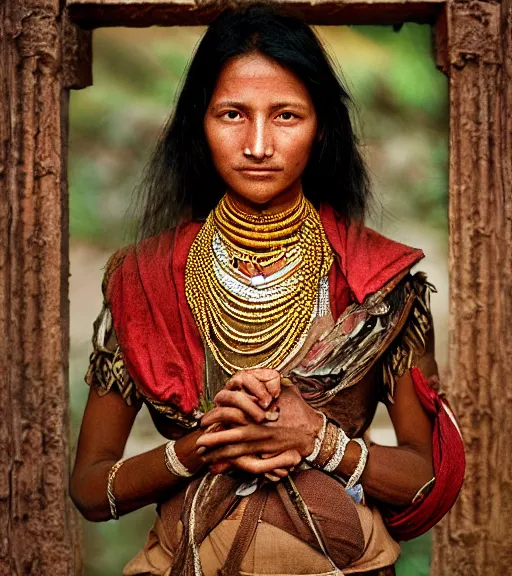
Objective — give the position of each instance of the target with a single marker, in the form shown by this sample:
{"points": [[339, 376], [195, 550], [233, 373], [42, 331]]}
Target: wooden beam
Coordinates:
{"points": [[142, 13], [39, 527], [475, 49]]}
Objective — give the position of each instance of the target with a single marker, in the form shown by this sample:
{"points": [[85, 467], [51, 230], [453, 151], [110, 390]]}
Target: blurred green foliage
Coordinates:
{"points": [[415, 559], [402, 117], [114, 124]]}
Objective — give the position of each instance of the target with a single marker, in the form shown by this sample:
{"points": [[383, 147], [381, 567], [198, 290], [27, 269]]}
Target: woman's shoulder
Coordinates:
{"points": [[368, 259], [169, 246]]}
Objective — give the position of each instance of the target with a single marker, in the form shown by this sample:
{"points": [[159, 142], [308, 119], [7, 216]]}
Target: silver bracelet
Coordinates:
{"points": [[173, 463], [318, 441], [337, 457], [354, 479]]}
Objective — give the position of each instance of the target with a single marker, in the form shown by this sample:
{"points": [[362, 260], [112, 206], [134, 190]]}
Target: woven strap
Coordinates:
{"points": [[244, 534], [302, 519]]}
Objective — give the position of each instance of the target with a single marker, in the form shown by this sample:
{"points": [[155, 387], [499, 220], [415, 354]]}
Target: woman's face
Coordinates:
{"points": [[260, 126]]}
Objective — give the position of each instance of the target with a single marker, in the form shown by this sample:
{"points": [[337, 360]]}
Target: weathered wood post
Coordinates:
{"points": [[475, 49], [42, 56]]}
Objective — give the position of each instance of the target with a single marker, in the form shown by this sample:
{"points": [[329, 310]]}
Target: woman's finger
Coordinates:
{"points": [[258, 466], [281, 472], [249, 433], [230, 451], [221, 467], [226, 415], [254, 386], [227, 465], [264, 374], [239, 399], [271, 378]]}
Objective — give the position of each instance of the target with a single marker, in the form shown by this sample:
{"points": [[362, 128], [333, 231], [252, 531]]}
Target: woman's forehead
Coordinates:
{"points": [[257, 75]]}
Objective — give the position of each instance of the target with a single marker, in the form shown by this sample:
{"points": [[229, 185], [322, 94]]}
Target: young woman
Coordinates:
{"points": [[261, 322]]}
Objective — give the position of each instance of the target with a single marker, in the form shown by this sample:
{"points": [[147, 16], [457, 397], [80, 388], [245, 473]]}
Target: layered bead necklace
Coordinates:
{"points": [[252, 282]]}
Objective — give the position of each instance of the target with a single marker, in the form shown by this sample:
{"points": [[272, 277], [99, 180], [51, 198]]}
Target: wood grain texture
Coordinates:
{"points": [[477, 54], [141, 13], [38, 525]]}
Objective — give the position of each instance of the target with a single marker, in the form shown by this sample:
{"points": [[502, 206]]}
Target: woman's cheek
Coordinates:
{"points": [[222, 156], [299, 158], [297, 148]]}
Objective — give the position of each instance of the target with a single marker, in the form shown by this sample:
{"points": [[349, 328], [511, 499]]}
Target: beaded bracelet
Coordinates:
{"points": [[353, 480], [110, 489], [339, 452], [173, 463], [318, 441]]}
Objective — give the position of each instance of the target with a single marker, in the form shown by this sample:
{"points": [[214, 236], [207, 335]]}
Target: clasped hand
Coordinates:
{"points": [[261, 425]]}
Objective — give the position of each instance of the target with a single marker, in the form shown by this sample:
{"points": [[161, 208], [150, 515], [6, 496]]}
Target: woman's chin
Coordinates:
{"points": [[258, 198]]}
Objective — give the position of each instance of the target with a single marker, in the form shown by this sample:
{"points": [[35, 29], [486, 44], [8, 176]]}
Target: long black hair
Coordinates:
{"points": [[180, 181]]}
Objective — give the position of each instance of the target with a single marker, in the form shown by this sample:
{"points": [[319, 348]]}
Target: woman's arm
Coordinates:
{"points": [[141, 480], [395, 474], [405, 469]]}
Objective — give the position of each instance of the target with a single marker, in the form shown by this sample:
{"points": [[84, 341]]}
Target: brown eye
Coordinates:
{"points": [[232, 114], [287, 116]]}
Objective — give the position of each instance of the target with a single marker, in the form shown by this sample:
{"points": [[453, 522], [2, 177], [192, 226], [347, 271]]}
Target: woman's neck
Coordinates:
{"points": [[280, 203], [258, 234]]}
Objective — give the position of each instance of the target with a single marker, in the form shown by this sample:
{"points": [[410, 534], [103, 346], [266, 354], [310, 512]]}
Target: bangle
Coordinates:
{"points": [[353, 480], [328, 446], [424, 490], [110, 489], [318, 441], [173, 463], [337, 457]]}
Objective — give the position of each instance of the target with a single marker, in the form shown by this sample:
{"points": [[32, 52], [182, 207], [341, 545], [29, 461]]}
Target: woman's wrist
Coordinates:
{"points": [[185, 450], [312, 434], [181, 461], [340, 455], [319, 438], [351, 459]]}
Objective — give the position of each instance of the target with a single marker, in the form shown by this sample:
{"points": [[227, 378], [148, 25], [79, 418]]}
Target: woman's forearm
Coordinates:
{"points": [[141, 480], [392, 474]]}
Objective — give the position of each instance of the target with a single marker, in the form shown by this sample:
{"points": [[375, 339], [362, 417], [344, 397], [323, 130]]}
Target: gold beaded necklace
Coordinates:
{"points": [[256, 321], [258, 241]]}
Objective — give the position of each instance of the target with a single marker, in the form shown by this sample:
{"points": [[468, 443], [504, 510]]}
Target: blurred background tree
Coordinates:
{"points": [[402, 117]]}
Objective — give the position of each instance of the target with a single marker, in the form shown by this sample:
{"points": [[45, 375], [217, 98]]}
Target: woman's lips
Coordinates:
{"points": [[259, 172]]}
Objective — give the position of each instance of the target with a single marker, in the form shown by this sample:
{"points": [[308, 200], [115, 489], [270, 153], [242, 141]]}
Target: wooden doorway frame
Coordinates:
{"points": [[45, 51]]}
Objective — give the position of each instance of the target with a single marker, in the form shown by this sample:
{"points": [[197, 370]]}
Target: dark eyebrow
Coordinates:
{"points": [[244, 107], [230, 104], [296, 105]]}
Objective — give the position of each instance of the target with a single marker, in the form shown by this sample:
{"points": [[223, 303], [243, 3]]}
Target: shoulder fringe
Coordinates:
{"points": [[410, 344], [107, 370]]}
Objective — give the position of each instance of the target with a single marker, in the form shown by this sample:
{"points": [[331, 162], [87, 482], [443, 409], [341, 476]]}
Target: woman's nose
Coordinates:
{"points": [[258, 144]]}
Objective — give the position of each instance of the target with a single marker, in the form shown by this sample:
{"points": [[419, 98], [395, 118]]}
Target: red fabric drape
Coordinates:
{"points": [[449, 466], [366, 259], [161, 346]]}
